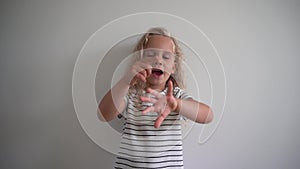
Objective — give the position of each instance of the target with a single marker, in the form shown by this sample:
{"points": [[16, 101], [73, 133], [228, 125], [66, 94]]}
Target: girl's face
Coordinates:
{"points": [[159, 52]]}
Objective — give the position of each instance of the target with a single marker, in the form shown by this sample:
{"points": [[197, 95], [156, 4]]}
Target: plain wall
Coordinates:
{"points": [[258, 42]]}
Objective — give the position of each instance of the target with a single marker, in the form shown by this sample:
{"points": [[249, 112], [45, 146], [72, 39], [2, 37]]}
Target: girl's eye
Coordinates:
{"points": [[166, 56]]}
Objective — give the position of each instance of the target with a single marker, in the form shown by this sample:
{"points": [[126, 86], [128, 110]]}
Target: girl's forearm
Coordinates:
{"points": [[113, 102], [193, 110]]}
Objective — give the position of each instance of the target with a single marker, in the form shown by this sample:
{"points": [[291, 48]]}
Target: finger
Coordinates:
{"points": [[139, 66], [148, 99], [133, 81], [148, 109], [147, 68], [135, 72], [141, 77], [143, 72], [143, 65], [154, 93], [170, 88], [161, 118], [149, 71]]}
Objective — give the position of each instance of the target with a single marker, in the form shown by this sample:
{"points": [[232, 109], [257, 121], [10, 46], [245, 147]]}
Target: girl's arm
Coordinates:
{"points": [[113, 102], [193, 110], [189, 108]]}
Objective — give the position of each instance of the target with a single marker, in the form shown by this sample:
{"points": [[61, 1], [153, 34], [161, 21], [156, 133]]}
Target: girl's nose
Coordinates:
{"points": [[158, 59], [157, 63]]}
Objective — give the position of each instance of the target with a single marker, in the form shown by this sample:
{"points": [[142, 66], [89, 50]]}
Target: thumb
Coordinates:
{"points": [[170, 88]]}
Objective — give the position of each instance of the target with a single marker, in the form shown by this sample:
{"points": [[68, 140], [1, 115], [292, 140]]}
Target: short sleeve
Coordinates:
{"points": [[181, 94]]}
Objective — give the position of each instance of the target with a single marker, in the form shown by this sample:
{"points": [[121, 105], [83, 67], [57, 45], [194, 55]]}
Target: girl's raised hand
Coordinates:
{"points": [[162, 104], [139, 70]]}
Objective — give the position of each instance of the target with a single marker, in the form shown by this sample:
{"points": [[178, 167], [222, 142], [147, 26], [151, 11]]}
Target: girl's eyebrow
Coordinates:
{"points": [[161, 50], [167, 52]]}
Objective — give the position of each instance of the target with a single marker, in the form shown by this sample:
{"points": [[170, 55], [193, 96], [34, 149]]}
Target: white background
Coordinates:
{"points": [[258, 42]]}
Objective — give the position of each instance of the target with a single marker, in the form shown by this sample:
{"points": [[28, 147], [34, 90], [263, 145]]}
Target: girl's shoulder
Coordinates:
{"points": [[180, 93]]}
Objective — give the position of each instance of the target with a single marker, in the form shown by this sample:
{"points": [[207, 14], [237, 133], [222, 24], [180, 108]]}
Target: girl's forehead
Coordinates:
{"points": [[160, 42]]}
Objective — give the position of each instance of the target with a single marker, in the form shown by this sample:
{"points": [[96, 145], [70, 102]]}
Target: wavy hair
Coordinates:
{"points": [[178, 76]]}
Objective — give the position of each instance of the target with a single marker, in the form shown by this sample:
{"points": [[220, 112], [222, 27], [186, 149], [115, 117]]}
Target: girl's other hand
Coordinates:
{"points": [[162, 104], [139, 71]]}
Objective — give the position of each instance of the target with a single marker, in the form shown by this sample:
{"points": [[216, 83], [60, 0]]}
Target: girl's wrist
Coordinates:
{"points": [[178, 105]]}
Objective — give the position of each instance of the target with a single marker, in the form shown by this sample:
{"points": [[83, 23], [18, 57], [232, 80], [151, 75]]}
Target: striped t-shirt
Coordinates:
{"points": [[142, 145]]}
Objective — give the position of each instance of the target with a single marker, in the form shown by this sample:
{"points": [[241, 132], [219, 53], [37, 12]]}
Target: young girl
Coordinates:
{"points": [[151, 99]]}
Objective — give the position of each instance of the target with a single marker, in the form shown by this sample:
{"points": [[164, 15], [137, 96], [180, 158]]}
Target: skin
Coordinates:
{"points": [[141, 70]]}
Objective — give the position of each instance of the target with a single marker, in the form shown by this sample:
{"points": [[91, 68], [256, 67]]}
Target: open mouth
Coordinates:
{"points": [[157, 72]]}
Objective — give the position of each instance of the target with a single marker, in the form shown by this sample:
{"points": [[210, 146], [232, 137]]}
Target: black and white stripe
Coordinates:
{"points": [[142, 145]]}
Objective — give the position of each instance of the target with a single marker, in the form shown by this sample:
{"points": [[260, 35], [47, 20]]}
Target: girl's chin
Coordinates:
{"points": [[157, 80]]}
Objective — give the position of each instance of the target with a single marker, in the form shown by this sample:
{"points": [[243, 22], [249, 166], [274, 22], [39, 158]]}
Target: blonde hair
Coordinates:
{"points": [[177, 76]]}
